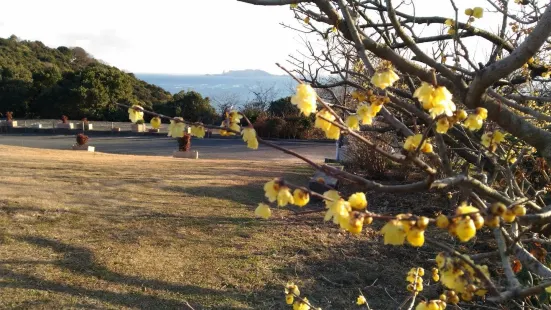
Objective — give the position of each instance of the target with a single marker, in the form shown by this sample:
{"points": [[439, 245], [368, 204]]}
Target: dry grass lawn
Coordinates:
{"points": [[100, 231]]}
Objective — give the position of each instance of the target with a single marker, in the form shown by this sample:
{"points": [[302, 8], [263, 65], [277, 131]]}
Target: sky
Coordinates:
{"points": [[169, 36]]}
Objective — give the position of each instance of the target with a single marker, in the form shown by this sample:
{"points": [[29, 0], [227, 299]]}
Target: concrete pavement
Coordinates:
{"points": [[207, 148]]}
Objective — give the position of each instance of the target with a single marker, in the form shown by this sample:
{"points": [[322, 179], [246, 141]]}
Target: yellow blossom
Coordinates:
{"points": [[337, 209], [478, 12], [249, 136], [198, 131], [289, 298], [465, 209], [305, 99], [272, 189], [451, 31], [307, 20], [354, 224], [284, 197], [263, 211], [331, 131], [437, 100], [235, 117], [300, 197], [323, 124], [519, 210], [449, 22], [465, 229], [353, 122], [469, 12], [176, 129], [473, 122], [412, 142], [425, 94], [301, 304], [292, 289], [234, 127], [294, 5], [334, 133], [394, 233], [416, 237], [375, 108], [422, 306], [224, 132], [482, 113], [442, 221], [359, 95], [384, 78], [361, 300], [331, 194], [492, 139], [442, 125], [135, 113], [509, 216], [358, 201], [155, 122], [442, 102], [366, 114], [461, 115]]}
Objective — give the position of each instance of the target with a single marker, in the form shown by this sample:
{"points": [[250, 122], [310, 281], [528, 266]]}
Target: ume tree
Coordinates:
{"points": [[477, 125]]}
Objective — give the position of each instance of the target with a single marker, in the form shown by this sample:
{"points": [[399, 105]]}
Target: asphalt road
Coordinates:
{"points": [[207, 148]]}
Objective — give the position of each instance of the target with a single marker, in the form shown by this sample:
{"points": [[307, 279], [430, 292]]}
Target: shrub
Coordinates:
{"points": [[82, 139]]}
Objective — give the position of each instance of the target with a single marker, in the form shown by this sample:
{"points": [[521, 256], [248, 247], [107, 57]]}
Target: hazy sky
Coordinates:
{"points": [[170, 36]]}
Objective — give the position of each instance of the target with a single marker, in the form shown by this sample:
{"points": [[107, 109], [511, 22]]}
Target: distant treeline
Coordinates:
{"points": [[41, 82]]}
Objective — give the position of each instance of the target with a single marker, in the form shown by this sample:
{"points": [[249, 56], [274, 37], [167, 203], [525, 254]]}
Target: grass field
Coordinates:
{"points": [[99, 231]]}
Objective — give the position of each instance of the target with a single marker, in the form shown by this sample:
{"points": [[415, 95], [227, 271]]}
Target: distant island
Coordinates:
{"points": [[244, 73]]}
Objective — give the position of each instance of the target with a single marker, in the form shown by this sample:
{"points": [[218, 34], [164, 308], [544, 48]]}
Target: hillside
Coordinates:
{"points": [[43, 82]]}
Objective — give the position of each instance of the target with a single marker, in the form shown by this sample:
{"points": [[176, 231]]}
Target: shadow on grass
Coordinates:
{"points": [[81, 261], [246, 194]]}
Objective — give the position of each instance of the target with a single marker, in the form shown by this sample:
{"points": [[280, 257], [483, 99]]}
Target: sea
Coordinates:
{"points": [[221, 87]]}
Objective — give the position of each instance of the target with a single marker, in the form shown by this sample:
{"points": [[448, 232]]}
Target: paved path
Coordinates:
{"points": [[208, 148]]}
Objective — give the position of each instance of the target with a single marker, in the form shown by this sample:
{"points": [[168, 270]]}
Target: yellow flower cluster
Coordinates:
{"points": [[135, 113], [464, 224], [198, 131], [431, 305], [366, 112], [232, 122], [249, 136], [435, 275], [331, 131], [263, 211], [155, 122], [403, 228], [508, 215], [449, 296], [291, 290], [457, 275], [436, 100], [384, 78], [276, 191], [176, 128], [353, 122], [305, 99], [476, 12], [415, 279], [361, 300], [492, 139], [445, 123], [342, 211], [450, 23], [475, 121], [413, 142]]}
